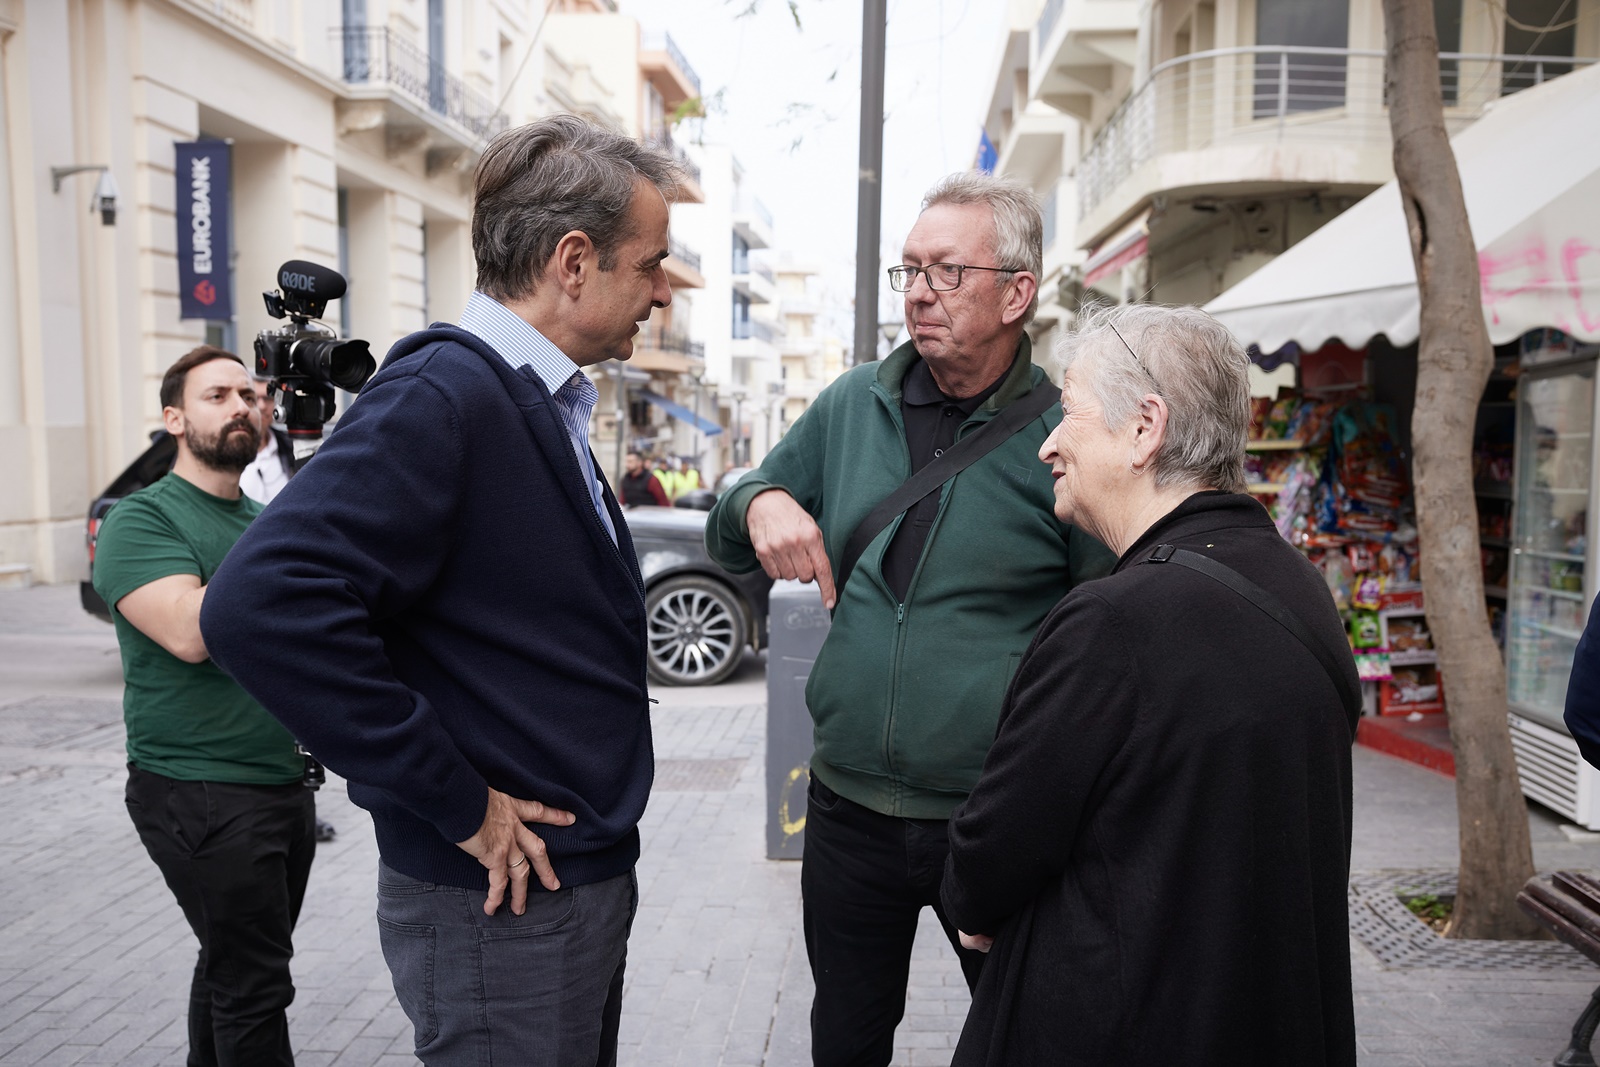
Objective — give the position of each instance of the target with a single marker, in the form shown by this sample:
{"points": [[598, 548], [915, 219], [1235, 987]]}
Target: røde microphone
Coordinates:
{"points": [[306, 289]]}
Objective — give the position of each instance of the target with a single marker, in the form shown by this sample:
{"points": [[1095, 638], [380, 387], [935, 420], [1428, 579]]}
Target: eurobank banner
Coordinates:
{"points": [[202, 182]]}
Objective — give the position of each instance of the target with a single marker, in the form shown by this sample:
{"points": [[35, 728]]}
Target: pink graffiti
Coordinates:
{"points": [[1571, 252], [1530, 257], [1530, 267]]}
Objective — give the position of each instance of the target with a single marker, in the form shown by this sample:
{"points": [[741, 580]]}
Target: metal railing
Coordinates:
{"points": [[670, 341], [663, 139], [754, 329], [1047, 22], [682, 253], [761, 269], [663, 42], [1265, 94], [376, 55]]}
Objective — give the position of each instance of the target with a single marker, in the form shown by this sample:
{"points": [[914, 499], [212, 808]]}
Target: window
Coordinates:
{"points": [[357, 54], [1288, 82], [343, 201], [741, 316], [741, 255], [437, 95], [1537, 41], [1447, 24]]}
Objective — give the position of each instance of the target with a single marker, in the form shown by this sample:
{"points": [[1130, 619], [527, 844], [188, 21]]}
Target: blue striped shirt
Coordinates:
{"points": [[520, 345]]}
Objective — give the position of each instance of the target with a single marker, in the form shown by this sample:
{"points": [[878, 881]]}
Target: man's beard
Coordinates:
{"points": [[227, 451]]}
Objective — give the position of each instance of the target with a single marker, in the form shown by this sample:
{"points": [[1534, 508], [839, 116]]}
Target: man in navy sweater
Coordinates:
{"points": [[445, 607]]}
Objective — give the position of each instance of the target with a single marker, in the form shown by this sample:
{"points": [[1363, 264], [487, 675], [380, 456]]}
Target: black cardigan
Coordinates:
{"points": [[433, 607], [1160, 841]]}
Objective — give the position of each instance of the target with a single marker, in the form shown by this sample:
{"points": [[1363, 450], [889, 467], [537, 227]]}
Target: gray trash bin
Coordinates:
{"points": [[796, 625]]}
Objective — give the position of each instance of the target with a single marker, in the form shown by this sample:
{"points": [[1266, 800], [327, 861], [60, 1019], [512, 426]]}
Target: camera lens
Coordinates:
{"points": [[346, 364]]}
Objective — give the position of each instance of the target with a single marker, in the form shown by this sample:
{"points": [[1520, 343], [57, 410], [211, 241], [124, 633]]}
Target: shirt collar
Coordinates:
{"points": [[920, 389], [517, 342]]}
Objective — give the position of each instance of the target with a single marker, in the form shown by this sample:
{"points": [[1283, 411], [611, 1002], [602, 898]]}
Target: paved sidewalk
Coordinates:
{"points": [[95, 957]]}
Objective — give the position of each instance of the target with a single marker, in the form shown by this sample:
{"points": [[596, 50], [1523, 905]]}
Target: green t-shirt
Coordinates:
{"points": [[188, 721]]}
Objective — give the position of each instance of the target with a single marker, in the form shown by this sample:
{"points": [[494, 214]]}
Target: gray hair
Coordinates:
{"points": [[537, 183], [1195, 365], [1018, 225]]}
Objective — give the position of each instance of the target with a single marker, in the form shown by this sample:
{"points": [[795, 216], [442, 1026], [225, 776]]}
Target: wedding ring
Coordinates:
{"points": [[520, 861]]}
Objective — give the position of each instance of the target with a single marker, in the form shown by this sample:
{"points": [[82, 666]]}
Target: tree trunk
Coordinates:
{"points": [[1454, 359]]}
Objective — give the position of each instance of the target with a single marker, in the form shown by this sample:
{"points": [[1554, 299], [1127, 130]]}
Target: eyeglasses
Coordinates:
{"points": [[942, 277], [1135, 356]]}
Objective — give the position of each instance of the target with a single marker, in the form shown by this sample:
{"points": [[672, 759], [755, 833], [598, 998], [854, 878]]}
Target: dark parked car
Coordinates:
{"points": [[701, 618]]}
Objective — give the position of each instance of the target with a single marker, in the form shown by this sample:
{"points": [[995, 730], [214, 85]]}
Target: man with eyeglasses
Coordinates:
{"points": [[940, 605]]}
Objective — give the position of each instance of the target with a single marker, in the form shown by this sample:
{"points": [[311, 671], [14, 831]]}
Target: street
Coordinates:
{"points": [[95, 956]]}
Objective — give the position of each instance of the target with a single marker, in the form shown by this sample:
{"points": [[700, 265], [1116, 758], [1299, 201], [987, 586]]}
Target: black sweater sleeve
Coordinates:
{"points": [[295, 610], [1064, 724]]}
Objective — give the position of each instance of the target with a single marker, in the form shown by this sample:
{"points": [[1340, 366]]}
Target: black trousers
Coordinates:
{"points": [[237, 858], [864, 880]]}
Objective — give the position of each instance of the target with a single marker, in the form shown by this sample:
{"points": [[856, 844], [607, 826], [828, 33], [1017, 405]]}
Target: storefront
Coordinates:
{"points": [[1332, 456]]}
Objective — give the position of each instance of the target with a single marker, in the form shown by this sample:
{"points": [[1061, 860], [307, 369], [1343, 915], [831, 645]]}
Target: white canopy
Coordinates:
{"points": [[1530, 168]]}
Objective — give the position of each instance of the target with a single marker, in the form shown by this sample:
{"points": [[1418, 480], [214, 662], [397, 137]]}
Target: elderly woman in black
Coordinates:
{"points": [[1157, 851]]}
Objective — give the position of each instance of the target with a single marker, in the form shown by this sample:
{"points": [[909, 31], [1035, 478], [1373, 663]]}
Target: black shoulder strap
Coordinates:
{"points": [[1226, 575], [957, 458]]}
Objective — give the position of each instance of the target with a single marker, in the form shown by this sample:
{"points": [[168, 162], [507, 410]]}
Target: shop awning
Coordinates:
{"points": [[679, 412], [1530, 169], [1126, 246]]}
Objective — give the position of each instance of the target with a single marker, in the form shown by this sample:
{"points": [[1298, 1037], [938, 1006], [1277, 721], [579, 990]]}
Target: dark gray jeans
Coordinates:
{"points": [[541, 989]]}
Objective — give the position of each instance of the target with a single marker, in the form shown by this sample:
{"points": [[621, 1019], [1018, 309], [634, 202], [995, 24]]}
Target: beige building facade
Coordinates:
{"points": [[1180, 145], [353, 128]]}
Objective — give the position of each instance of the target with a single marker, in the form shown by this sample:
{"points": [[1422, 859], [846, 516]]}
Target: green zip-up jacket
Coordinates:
{"points": [[905, 696]]}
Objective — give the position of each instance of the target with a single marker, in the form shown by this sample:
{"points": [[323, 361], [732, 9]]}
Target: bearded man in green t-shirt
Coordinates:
{"points": [[214, 782]]}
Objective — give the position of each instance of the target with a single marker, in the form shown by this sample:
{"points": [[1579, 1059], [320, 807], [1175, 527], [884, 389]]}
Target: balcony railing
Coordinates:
{"points": [[668, 341], [663, 42], [1268, 94], [754, 329], [682, 253], [762, 270], [664, 140], [1047, 22], [376, 55]]}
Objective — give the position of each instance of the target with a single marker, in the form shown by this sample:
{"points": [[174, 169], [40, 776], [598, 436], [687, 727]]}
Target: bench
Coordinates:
{"points": [[1569, 907]]}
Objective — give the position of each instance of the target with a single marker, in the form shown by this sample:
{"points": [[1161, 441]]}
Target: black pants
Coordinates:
{"points": [[865, 879], [237, 858]]}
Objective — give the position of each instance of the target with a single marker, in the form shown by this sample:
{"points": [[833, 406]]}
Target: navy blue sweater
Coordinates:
{"points": [[1583, 691], [432, 606]]}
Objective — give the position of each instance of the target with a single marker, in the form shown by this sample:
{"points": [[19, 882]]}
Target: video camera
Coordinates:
{"points": [[304, 359]]}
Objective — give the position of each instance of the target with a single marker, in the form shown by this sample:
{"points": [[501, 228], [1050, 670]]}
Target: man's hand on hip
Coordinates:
{"points": [[788, 541], [506, 846]]}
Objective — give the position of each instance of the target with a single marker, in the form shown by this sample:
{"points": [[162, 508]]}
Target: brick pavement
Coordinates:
{"points": [[94, 955]]}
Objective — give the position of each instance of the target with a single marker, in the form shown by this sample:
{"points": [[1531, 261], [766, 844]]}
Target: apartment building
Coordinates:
{"points": [[1179, 145], [351, 133], [735, 315], [811, 355]]}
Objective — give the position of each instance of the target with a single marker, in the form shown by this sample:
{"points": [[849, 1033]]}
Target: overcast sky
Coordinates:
{"points": [[789, 106]]}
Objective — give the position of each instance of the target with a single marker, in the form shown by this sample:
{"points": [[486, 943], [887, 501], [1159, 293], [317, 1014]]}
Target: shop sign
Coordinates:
{"points": [[204, 289]]}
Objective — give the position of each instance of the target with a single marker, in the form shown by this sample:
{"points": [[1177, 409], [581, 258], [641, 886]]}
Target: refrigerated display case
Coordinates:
{"points": [[1549, 582]]}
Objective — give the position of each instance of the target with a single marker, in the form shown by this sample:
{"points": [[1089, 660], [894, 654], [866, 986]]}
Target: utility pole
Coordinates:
{"points": [[869, 196]]}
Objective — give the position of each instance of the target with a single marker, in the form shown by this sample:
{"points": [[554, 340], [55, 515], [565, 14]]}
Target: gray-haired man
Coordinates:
{"points": [[906, 691], [446, 608]]}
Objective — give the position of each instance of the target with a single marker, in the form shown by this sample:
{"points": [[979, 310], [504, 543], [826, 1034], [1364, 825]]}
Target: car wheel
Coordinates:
{"points": [[696, 631]]}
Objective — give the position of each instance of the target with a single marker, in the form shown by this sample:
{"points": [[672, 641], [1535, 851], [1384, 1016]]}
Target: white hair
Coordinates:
{"points": [[1187, 358], [1018, 225]]}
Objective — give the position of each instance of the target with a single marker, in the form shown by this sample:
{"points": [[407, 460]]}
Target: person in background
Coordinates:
{"points": [[640, 487], [688, 475], [264, 479], [1156, 854], [446, 607], [942, 603], [214, 782], [1583, 691], [273, 465]]}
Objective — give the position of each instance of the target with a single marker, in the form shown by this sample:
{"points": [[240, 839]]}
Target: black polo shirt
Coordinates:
{"points": [[931, 420]]}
